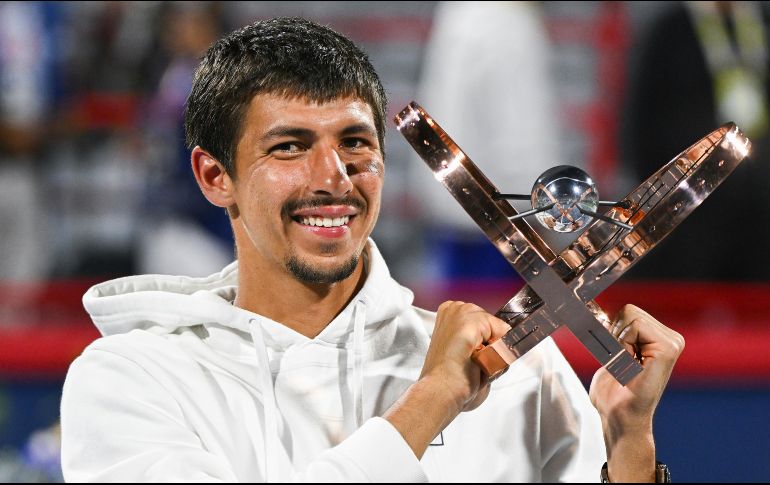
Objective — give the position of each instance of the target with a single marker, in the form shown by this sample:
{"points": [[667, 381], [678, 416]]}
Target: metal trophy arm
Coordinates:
{"points": [[560, 288]]}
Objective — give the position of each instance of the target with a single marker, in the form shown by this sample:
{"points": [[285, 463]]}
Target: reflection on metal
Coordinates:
{"points": [[571, 195], [560, 288]]}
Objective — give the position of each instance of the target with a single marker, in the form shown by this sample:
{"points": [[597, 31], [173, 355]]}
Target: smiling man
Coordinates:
{"points": [[304, 360], [304, 194]]}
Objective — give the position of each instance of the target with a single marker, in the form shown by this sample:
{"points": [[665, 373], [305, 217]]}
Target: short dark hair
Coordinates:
{"points": [[286, 56]]}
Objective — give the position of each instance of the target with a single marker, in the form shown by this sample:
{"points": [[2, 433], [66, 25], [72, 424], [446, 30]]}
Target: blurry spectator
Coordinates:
{"points": [[39, 461], [42, 453], [486, 81], [183, 233], [27, 90], [95, 161], [699, 65]]}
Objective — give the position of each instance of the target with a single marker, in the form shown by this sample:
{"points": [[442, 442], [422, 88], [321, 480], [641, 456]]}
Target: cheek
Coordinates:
{"points": [[271, 188], [371, 169], [279, 177], [375, 167], [370, 185]]}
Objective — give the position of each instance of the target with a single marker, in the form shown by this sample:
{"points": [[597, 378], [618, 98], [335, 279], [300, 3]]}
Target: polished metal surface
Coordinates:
{"points": [[560, 288], [571, 195]]}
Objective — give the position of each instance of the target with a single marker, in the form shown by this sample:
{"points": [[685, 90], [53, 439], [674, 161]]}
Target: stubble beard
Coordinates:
{"points": [[306, 273]]}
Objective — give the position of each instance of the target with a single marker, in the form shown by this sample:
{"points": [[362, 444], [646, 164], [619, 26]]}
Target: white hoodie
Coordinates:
{"points": [[179, 390]]}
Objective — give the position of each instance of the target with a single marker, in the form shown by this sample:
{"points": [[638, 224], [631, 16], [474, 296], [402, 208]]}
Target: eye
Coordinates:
{"points": [[354, 143], [289, 147]]}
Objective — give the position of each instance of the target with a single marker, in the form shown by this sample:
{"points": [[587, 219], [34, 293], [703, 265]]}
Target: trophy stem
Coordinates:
{"points": [[499, 196], [605, 218], [623, 204], [532, 212]]}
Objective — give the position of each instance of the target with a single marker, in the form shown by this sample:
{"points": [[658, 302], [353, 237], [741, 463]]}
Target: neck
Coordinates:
{"points": [[304, 307]]}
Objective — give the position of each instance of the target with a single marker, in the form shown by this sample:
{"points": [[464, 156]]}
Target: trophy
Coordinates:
{"points": [[560, 288]]}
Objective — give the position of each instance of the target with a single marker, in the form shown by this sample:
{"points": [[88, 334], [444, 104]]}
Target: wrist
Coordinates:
{"points": [[447, 392], [631, 456], [421, 413], [618, 428]]}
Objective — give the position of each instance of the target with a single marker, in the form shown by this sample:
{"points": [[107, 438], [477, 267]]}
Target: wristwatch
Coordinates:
{"points": [[662, 473]]}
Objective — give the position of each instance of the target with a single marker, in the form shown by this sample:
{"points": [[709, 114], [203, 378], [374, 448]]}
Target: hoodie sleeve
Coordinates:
{"points": [[571, 439], [376, 453], [119, 424]]}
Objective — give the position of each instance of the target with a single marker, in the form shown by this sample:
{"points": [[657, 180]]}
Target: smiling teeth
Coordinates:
{"points": [[325, 221]]}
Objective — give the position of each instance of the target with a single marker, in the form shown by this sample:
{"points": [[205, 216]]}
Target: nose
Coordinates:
{"points": [[328, 174]]}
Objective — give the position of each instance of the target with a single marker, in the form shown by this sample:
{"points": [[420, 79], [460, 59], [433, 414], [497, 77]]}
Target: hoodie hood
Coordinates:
{"points": [[162, 304]]}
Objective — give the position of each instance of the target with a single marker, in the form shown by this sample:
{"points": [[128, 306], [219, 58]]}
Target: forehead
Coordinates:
{"points": [[266, 111]]}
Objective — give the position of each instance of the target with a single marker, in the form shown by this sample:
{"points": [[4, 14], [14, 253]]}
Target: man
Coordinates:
{"points": [[305, 360]]}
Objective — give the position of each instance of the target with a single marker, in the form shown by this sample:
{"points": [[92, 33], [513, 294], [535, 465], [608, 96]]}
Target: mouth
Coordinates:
{"points": [[326, 221], [320, 221]]}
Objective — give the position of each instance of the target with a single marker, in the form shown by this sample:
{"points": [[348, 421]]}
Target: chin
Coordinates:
{"points": [[322, 273]]}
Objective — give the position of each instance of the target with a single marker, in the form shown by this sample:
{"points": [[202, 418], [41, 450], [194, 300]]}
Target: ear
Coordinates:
{"points": [[212, 178]]}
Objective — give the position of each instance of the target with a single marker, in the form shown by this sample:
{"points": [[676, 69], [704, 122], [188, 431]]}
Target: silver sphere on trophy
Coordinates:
{"points": [[565, 199], [571, 195]]}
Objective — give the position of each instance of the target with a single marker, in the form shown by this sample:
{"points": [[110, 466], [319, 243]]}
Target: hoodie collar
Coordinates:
{"points": [[163, 304]]}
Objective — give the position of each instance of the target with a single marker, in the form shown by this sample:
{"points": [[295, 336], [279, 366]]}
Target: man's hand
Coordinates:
{"points": [[626, 412], [460, 329], [450, 382]]}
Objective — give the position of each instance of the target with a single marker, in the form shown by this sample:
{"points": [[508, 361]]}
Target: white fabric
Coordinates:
{"points": [[186, 387]]}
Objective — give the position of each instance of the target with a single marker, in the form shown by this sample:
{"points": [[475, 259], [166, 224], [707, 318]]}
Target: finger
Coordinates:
{"points": [[630, 314], [498, 328], [627, 315], [624, 318], [651, 340], [476, 324], [445, 305], [491, 327], [618, 327]]}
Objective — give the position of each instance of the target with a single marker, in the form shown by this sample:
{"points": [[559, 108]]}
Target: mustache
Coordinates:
{"points": [[311, 203]]}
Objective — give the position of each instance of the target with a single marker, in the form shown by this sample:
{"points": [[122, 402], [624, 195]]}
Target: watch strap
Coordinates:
{"points": [[662, 473]]}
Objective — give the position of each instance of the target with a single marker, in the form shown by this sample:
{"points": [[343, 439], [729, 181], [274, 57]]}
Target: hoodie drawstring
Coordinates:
{"points": [[276, 459], [358, 365]]}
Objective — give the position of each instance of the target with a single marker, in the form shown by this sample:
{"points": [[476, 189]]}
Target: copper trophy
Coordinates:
{"points": [[561, 287]]}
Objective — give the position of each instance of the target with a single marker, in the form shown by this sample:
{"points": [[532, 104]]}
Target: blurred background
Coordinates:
{"points": [[95, 180]]}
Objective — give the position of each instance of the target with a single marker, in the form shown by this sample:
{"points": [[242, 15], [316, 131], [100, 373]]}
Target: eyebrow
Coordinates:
{"points": [[304, 133], [359, 128], [287, 131]]}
